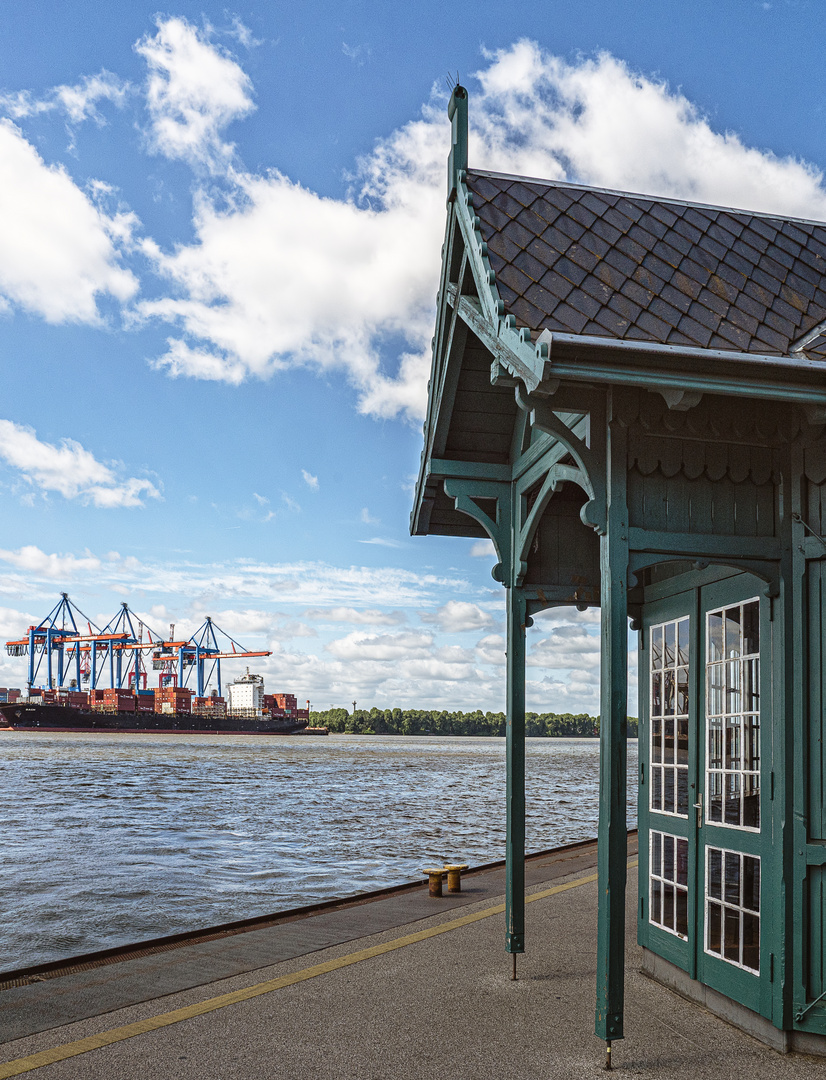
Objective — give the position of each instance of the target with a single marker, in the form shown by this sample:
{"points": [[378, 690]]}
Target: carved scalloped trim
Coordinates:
{"points": [[693, 459], [814, 462]]}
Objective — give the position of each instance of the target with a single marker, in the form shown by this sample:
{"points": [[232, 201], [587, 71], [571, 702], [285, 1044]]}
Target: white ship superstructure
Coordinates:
{"points": [[246, 696]]}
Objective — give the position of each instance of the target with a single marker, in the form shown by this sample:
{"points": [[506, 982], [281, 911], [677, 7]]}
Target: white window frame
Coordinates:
{"points": [[665, 882], [724, 716], [666, 768], [727, 905]]}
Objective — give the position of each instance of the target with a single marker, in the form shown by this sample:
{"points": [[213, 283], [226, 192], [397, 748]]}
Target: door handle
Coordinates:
{"points": [[698, 806]]}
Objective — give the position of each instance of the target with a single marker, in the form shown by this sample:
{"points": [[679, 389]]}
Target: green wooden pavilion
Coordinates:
{"points": [[628, 397]]}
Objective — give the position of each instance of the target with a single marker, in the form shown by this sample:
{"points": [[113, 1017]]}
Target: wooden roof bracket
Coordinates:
{"points": [[465, 492], [590, 460]]}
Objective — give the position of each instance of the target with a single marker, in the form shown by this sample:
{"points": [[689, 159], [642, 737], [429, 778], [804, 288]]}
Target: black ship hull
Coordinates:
{"points": [[22, 716]]}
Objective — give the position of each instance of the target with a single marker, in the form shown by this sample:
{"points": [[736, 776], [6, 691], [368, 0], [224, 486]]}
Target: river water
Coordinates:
{"points": [[114, 839]]}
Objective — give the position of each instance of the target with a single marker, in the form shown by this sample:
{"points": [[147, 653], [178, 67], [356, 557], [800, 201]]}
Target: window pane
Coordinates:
{"points": [[733, 742], [715, 797], [715, 744], [751, 800], [732, 880], [733, 632], [751, 941], [682, 792], [715, 637], [668, 858], [657, 788], [731, 813], [733, 700], [682, 862], [682, 742], [668, 643], [656, 901], [669, 804], [716, 686], [656, 854], [668, 741], [682, 641], [668, 906], [714, 919], [751, 685], [751, 883], [656, 740], [682, 913], [668, 693], [714, 885], [751, 627], [656, 694], [682, 691], [732, 940], [657, 647]]}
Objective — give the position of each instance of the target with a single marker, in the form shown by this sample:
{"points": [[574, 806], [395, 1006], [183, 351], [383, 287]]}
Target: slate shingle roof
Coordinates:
{"points": [[583, 261]]}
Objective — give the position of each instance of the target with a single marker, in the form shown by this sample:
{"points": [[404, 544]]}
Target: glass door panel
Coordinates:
{"points": [[730, 910], [667, 697]]}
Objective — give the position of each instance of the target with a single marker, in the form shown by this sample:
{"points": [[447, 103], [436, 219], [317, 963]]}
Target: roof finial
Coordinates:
{"points": [[457, 162]]}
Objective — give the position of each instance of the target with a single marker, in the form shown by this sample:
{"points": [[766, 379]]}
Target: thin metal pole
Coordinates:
{"points": [[515, 755], [612, 857]]}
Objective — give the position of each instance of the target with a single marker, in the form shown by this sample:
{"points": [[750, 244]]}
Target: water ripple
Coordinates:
{"points": [[111, 839]]}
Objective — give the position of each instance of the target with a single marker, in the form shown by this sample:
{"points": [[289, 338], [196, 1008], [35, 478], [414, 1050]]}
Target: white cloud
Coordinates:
{"points": [[599, 122], [307, 584], [383, 542], [57, 249], [265, 606], [278, 276], [457, 616], [69, 469], [367, 518], [483, 549], [262, 500], [37, 563], [567, 647], [78, 102], [366, 616], [357, 53], [310, 480], [194, 90], [491, 650], [243, 34], [390, 647]]}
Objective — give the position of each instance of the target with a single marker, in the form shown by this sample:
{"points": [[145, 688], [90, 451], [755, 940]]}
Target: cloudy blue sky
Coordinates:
{"points": [[218, 263]]}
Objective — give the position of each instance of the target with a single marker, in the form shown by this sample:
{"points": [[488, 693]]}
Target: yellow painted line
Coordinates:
{"points": [[155, 1023]]}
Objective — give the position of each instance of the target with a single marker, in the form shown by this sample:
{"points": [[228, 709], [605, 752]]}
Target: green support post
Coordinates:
{"points": [[613, 836], [515, 747]]}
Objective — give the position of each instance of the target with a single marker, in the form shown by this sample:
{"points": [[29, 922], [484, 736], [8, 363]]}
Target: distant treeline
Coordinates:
{"points": [[431, 722]]}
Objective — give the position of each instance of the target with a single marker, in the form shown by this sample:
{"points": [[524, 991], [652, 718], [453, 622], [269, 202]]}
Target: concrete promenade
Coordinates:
{"points": [[401, 986]]}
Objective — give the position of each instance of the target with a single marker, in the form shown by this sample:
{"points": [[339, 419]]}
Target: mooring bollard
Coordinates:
{"points": [[454, 876], [434, 881]]}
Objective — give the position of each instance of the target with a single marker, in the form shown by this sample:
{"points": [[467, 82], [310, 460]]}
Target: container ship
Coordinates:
{"points": [[61, 646], [164, 710]]}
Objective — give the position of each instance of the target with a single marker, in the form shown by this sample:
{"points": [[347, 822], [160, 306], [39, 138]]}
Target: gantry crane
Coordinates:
{"points": [[63, 646]]}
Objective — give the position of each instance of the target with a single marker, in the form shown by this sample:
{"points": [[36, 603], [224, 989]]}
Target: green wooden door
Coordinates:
{"points": [[733, 924], [705, 828]]}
